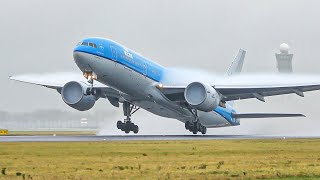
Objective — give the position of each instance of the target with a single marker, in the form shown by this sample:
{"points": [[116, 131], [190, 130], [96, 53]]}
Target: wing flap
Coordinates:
{"points": [[231, 94], [253, 86]]}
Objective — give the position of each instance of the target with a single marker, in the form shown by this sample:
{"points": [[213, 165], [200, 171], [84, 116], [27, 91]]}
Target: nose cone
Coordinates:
{"points": [[83, 61]]}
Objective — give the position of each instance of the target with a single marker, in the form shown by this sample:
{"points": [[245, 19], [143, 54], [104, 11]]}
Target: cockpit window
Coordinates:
{"points": [[93, 45], [87, 44]]}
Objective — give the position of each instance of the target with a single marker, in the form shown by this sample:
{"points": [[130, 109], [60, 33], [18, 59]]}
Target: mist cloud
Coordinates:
{"points": [[39, 36]]}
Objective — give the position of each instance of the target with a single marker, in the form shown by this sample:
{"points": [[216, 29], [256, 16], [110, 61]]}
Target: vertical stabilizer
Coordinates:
{"points": [[237, 63], [236, 66]]}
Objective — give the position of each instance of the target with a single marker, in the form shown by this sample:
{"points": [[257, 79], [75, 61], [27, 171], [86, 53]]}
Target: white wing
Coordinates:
{"points": [[53, 80], [253, 86], [58, 80]]}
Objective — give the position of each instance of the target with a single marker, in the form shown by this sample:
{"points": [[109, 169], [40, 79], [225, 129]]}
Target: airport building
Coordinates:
{"points": [[51, 120]]}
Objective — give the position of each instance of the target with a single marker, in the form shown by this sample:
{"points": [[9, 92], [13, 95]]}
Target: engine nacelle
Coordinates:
{"points": [[202, 96], [74, 94]]}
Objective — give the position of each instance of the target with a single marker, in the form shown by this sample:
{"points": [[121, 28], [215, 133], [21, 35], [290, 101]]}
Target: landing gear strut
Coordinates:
{"points": [[127, 125], [90, 76], [195, 126]]}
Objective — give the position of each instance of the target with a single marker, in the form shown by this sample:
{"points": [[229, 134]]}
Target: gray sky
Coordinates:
{"points": [[38, 36]]}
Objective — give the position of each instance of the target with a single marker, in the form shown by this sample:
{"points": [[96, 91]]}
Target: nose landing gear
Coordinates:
{"points": [[127, 125], [90, 76]]}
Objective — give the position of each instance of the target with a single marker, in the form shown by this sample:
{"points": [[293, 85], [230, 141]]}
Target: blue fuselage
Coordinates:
{"points": [[122, 55], [117, 53]]}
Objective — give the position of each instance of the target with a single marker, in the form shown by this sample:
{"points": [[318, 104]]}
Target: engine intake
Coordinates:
{"points": [[202, 96], [74, 94]]}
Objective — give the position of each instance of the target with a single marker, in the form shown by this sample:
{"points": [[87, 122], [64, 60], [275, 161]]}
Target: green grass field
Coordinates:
{"points": [[215, 159]]}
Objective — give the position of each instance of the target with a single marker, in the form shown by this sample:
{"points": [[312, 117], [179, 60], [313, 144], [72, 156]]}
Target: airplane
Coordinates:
{"points": [[114, 72]]}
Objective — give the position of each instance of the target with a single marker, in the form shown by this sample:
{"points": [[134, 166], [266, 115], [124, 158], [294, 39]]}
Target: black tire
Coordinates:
{"points": [[198, 126], [88, 92], [132, 126], [194, 132], [201, 128], [126, 127], [187, 125], [191, 127], [119, 124], [94, 92], [204, 130], [129, 125], [136, 129]]}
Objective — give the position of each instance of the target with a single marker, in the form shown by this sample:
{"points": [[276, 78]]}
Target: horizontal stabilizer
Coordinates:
{"points": [[265, 115]]}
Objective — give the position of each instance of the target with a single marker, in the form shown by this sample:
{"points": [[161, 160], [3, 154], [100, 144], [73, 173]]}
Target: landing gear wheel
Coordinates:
{"points": [[135, 129], [198, 125], [204, 130], [91, 91], [191, 127], [201, 128], [187, 125], [88, 91], [123, 127], [127, 125], [119, 125], [195, 127]]}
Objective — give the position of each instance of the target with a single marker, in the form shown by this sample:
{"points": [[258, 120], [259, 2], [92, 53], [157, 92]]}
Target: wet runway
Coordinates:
{"points": [[64, 138]]}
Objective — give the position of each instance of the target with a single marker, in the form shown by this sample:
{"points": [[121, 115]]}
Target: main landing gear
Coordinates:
{"points": [[195, 126], [127, 125]]}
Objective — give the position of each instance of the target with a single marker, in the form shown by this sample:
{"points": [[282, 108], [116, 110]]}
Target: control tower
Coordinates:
{"points": [[284, 59]]}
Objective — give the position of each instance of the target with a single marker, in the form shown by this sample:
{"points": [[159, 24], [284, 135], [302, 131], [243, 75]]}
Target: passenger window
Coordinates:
{"points": [[85, 43], [94, 45], [91, 44]]}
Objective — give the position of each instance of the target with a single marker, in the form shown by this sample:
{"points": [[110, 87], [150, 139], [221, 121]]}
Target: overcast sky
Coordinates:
{"points": [[39, 36]]}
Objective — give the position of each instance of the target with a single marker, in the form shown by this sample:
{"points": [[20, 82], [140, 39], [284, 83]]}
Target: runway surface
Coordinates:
{"points": [[63, 138]]}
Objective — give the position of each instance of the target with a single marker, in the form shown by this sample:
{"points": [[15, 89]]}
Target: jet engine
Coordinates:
{"points": [[202, 96], [74, 94]]}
